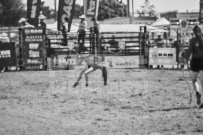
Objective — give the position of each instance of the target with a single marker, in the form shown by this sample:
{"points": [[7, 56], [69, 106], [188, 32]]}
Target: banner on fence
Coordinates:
{"points": [[62, 62], [33, 11], [91, 8], [7, 54], [33, 49], [124, 61], [55, 41], [162, 56], [71, 62], [66, 9]]}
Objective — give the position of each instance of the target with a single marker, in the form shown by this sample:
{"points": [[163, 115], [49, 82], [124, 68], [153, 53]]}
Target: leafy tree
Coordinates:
{"points": [[110, 9], [49, 13], [79, 10], [147, 10], [11, 12]]}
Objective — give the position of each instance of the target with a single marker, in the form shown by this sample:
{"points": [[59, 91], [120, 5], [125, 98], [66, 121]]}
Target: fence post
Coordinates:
{"points": [[177, 48]]}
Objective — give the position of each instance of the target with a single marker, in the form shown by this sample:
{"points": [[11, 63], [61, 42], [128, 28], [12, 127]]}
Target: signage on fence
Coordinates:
{"points": [[7, 54], [63, 62], [124, 61], [162, 56], [33, 49], [55, 41]]}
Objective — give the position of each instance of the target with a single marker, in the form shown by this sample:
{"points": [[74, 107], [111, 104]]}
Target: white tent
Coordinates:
{"points": [[161, 22]]}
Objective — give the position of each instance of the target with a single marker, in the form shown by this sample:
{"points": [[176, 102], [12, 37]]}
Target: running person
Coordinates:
{"points": [[92, 64], [196, 63]]}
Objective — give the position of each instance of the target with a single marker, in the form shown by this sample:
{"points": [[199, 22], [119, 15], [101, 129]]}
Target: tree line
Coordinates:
{"points": [[12, 10]]}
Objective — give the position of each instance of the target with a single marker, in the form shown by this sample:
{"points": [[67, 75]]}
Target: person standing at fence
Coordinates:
{"points": [[92, 63], [195, 51], [159, 41], [94, 35], [113, 45], [166, 41], [4, 39], [82, 33], [64, 31], [102, 44], [24, 24], [42, 22], [160, 44]]}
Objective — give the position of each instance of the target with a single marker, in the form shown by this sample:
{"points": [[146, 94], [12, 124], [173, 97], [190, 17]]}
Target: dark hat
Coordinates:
{"points": [[82, 17], [22, 20], [66, 19], [196, 28], [93, 19]]}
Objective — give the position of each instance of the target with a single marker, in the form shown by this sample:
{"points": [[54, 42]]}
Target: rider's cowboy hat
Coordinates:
{"points": [[4, 34], [82, 17], [22, 20]]}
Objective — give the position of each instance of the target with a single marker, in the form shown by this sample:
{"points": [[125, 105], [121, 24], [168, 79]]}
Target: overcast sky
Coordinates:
{"points": [[160, 5]]}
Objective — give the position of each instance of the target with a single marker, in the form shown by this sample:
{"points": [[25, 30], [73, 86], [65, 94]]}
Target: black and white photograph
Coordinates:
{"points": [[101, 67]]}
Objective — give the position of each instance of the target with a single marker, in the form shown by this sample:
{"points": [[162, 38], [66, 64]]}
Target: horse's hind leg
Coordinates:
{"points": [[87, 73], [104, 75]]}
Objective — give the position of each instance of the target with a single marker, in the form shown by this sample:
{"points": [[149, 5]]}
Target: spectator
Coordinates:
{"points": [[160, 44], [42, 22], [5, 38], [101, 42], [82, 33], [113, 44], [166, 41], [159, 41], [171, 42], [195, 51], [94, 31], [64, 31], [24, 24]]}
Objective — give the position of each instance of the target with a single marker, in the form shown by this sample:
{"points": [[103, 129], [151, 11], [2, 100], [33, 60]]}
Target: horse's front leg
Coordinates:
{"points": [[87, 72], [79, 78]]}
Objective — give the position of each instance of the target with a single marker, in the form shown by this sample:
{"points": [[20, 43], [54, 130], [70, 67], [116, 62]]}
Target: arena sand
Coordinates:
{"points": [[135, 102]]}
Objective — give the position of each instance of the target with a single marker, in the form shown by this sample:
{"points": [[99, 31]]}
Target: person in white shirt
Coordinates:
{"points": [[82, 33], [65, 30], [5, 38]]}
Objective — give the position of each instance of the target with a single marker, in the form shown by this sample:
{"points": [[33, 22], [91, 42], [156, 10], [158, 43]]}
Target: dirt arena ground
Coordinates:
{"points": [[135, 102]]}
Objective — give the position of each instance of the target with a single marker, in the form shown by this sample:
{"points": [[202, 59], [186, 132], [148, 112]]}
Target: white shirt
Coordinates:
{"points": [[82, 25], [5, 40]]}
